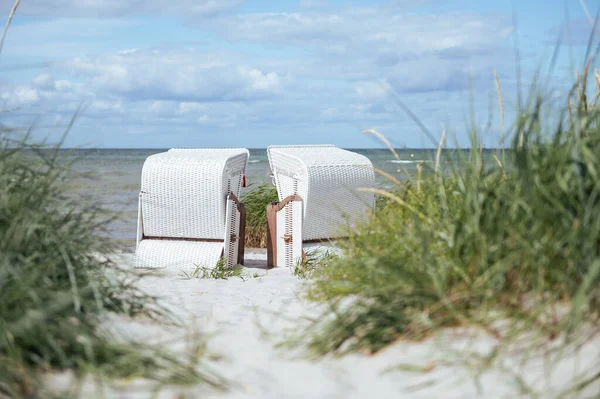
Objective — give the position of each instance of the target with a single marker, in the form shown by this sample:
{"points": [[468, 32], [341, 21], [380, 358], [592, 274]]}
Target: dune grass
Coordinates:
{"points": [[58, 282], [481, 244], [256, 201]]}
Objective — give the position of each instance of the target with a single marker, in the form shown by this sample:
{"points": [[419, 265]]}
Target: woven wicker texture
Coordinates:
{"points": [[177, 253], [184, 195], [289, 234], [184, 191], [231, 237], [326, 177]]}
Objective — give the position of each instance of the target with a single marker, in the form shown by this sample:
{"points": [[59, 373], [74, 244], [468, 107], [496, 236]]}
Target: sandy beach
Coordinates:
{"points": [[246, 318], [432, 166]]}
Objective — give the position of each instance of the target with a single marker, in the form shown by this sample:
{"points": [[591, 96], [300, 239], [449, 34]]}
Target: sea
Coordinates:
{"points": [[112, 176]]}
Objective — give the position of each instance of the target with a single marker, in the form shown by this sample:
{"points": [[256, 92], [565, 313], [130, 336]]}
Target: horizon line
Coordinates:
{"points": [[264, 148]]}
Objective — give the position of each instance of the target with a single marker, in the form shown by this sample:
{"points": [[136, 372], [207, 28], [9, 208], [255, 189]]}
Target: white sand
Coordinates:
{"points": [[233, 309]]}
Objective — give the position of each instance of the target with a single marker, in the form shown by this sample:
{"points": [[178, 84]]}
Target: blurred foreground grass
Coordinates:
{"points": [[59, 284]]}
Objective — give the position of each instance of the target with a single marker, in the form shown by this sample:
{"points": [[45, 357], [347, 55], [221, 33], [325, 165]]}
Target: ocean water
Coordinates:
{"points": [[114, 176]]}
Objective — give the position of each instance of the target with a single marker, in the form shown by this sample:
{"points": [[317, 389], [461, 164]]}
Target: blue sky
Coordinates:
{"points": [[210, 73]]}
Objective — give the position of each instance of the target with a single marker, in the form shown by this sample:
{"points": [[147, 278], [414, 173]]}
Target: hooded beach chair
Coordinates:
{"points": [[189, 214], [318, 199]]}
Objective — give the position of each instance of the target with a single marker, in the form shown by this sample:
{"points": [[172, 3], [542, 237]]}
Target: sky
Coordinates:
{"points": [[251, 73]]}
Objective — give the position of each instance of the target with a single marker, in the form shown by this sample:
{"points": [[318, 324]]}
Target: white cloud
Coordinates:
{"points": [[51, 87], [371, 90], [372, 30], [312, 3], [108, 106], [114, 8], [66, 86], [187, 76], [261, 81], [365, 112], [162, 108], [415, 51], [44, 81], [23, 95], [432, 74], [188, 107], [40, 92], [62, 38]]}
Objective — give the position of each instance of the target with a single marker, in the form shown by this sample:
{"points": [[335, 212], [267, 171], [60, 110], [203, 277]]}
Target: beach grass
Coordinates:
{"points": [[311, 261], [256, 200], [220, 272], [59, 282], [511, 248]]}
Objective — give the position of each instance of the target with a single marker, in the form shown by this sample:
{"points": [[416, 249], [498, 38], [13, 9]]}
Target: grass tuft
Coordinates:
{"points": [[220, 272], [306, 267]]}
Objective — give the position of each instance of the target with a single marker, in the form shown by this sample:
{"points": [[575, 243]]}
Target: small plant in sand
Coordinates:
{"points": [[220, 272], [306, 267]]}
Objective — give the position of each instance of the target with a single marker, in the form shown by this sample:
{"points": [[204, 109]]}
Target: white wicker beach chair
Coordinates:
{"points": [[316, 186], [189, 214]]}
